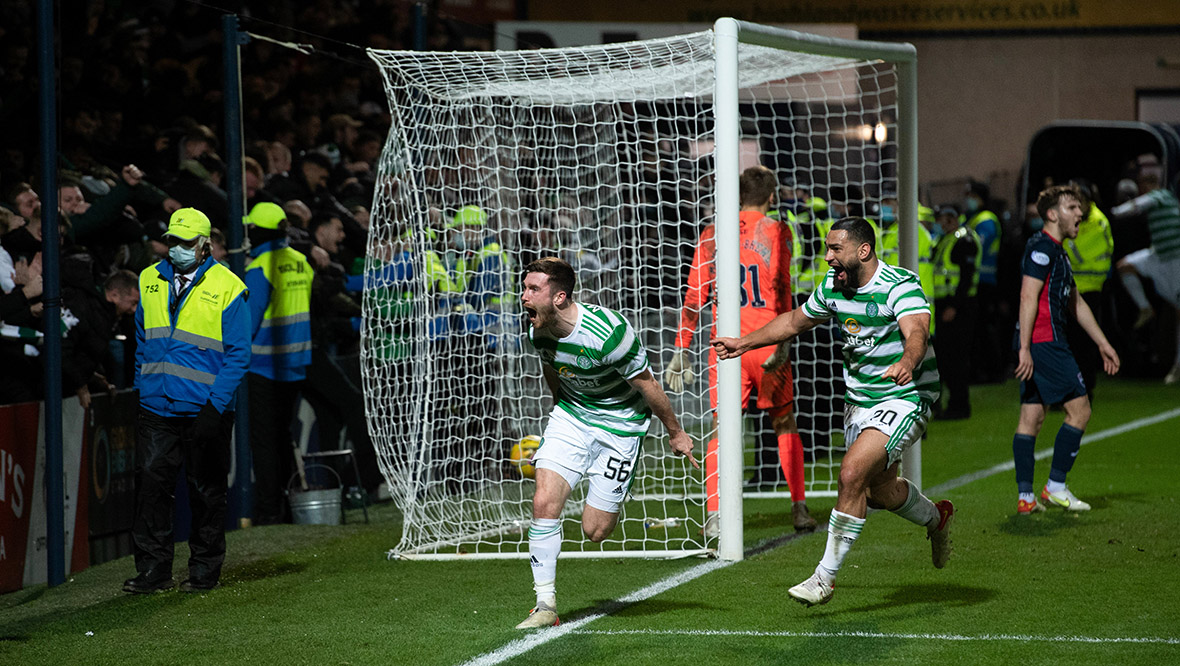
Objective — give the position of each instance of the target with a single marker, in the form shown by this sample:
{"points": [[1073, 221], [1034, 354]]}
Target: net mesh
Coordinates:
{"points": [[604, 157]]}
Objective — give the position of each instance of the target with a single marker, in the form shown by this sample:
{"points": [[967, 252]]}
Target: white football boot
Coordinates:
{"points": [[812, 592], [540, 617]]}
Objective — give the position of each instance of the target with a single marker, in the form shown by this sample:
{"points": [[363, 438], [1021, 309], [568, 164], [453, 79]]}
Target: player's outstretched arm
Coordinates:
{"points": [[1085, 317], [780, 329], [1030, 291], [657, 400]]}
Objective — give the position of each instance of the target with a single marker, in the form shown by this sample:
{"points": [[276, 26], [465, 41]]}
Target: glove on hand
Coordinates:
{"points": [[679, 372]]}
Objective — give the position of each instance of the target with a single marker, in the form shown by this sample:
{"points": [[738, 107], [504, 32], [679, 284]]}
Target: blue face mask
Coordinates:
{"points": [[887, 214], [182, 258], [1036, 223], [972, 205]]}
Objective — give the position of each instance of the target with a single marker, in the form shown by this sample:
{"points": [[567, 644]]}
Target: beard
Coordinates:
{"points": [[850, 281]]}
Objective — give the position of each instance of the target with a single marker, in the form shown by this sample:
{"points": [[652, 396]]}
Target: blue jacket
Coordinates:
{"points": [[279, 279], [194, 350]]}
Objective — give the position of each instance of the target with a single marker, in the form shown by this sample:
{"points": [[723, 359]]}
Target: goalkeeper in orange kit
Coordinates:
{"points": [[766, 293]]}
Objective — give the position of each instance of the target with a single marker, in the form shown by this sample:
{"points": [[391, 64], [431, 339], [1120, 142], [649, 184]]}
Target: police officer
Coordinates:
{"points": [[193, 334], [956, 286], [279, 279]]}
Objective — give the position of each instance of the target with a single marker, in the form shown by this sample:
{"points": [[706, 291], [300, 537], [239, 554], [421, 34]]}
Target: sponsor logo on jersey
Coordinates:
{"points": [[852, 326], [568, 375], [1039, 258], [856, 341]]}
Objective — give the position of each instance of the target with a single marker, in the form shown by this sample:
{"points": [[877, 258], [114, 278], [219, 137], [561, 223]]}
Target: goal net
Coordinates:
{"points": [[604, 156]]}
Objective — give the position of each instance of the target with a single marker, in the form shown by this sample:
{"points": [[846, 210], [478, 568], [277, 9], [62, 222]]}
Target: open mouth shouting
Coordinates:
{"points": [[841, 277]]}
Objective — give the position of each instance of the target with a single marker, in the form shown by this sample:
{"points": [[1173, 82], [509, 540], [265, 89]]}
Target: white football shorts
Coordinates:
{"points": [[902, 421], [574, 450], [1164, 273]]}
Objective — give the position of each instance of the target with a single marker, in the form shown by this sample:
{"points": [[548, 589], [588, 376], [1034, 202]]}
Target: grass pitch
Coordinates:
{"points": [[1095, 588]]}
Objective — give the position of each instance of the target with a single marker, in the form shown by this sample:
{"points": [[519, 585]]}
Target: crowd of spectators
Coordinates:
{"points": [[140, 103], [141, 109]]}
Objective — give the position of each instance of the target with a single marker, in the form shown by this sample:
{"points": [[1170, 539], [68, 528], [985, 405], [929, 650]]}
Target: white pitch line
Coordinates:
{"points": [[1045, 453], [523, 645], [874, 634], [537, 638]]}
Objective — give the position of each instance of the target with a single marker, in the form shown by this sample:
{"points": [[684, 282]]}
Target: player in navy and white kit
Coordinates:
{"points": [[1046, 367]]}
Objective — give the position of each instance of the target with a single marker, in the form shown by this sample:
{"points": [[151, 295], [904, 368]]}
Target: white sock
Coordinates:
{"points": [[842, 532], [917, 508], [1055, 486], [544, 547], [1134, 289], [1028, 497]]}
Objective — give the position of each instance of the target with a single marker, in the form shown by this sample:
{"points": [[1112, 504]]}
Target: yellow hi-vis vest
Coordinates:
{"points": [[792, 223], [1090, 253], [283, 341], [182, 353], [946, 272]]}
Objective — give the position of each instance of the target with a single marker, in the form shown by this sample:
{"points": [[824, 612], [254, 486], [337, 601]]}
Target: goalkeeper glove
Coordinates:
{"points": [[679, 372], [207, 423]]}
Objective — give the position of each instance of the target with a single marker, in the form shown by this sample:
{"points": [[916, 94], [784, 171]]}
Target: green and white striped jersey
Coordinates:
{"points": [[593, 364], [1163, 220], [872, 337]]}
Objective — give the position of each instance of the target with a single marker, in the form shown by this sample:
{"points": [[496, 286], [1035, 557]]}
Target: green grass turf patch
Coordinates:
{"points": [[315, 595]]}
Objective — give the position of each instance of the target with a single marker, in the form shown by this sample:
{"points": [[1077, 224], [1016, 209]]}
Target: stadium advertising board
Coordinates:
{"points": [[22, 512], [882, 15]]}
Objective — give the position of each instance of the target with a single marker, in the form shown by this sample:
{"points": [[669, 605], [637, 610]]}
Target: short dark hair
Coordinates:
{"points": [[121, 280], [317, 158], [756, 186], [561, 274], [1050, 197], [859, 230], [319, 219]]}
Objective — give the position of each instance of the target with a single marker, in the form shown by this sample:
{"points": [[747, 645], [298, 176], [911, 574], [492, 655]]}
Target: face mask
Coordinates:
{"points": [[1036, 223], [460, 242], [183, 258], [972, 205], [887, 213]]}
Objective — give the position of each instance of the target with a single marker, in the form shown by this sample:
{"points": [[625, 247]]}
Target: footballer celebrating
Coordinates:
{"points": [[604, 396], [892, 380]]}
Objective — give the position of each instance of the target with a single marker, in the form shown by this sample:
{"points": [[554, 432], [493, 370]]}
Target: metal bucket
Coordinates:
{"points": [[316, 507]]}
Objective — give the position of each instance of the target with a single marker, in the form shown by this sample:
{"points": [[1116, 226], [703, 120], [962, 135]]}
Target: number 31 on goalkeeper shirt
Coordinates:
{"points": [[751, 272]]}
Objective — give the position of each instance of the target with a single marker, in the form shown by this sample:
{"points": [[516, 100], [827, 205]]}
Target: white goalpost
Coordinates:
{"points": [[615, 158]]}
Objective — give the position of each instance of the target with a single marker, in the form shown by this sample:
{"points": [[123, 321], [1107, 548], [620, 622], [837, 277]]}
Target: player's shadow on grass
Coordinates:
{"points": [[942, 594], [616, 608], [262, 569], [1052, 521]]}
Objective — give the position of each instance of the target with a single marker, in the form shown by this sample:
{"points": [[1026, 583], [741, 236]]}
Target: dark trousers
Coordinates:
{"points": [[952, 346], [272, 409], [1085, 352], [339, 402], [988, 362], [162, 444]]}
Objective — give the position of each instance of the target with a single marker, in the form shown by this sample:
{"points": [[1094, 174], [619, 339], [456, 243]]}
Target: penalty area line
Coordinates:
{"points": [[874, 634], [537, 638], [540, 637]]}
